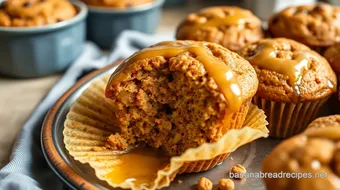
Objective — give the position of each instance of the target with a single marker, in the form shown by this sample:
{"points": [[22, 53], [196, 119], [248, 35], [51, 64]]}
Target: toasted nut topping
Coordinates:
{"points": [[238, 171], [226, 184], [204, 184]]}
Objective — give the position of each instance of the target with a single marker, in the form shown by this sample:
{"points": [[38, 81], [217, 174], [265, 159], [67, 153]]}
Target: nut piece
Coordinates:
{"points": [[204, 184], [238, 171], [226, 184]]}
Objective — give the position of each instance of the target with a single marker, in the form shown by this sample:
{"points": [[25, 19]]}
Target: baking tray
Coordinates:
{"points": [[81, 176]]}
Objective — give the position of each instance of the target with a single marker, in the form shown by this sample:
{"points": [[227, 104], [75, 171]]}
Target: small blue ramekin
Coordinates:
{"points": [[105, 24], [27, 52]]}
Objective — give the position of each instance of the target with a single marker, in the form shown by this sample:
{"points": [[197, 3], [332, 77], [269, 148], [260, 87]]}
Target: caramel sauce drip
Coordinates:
{"points": [[265, 58], [216, 68], [140, 166]]}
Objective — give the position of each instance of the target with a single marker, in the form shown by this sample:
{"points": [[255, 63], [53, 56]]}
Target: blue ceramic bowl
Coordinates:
{"points": [[39, 51], [105, 24]]}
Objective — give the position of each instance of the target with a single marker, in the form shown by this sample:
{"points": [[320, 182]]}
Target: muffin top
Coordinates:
{"points": [[332, 54], [289, 71], [26, 13], [119, 4], [314, 153], [332, 120], [313, 25], [232, 27], [232, 75]]}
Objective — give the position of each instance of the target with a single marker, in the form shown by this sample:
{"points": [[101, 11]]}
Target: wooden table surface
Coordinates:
{"points": [[19, 97]]}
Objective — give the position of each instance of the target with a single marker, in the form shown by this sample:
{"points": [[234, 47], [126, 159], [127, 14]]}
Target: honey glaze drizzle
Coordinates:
{"points": [[265, 58], [216, 68], [139, 166]]}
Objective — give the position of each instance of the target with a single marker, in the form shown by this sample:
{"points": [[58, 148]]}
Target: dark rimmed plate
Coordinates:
{"points": [[81, 176]]}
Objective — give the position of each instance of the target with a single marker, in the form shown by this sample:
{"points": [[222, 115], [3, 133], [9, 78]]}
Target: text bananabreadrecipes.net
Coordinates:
{"points": [[296, 175]]}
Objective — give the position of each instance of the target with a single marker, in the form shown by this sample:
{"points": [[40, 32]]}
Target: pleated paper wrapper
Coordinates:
{"points": [[288, 119], [90, 122]]}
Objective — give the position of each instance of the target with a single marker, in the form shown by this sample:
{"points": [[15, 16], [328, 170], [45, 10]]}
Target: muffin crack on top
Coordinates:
{"points": [[25, 13], [315, 25], [172, 102]]}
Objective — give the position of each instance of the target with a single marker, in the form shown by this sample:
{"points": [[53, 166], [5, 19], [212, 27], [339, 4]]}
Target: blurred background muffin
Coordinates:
{"points": [[172, 96], [332, 120], [107, 19], [25, 13], [315, 25], [231, 27], [39, 38], [314, 155], [121, 4], [332, 54], [294, 83]]}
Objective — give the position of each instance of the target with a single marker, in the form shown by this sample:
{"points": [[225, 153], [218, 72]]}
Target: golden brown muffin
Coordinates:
{"points": [[25, 13], [315, 25], [332, 120], [332, 54], [294, 82], [180, 94], [119, 4], [314, 155], [232, 27]]}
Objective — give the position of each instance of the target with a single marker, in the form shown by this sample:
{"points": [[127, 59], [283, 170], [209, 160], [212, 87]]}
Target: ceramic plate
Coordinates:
{"points": [[81, 176]]}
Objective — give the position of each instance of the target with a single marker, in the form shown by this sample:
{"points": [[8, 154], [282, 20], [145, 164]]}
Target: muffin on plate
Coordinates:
{"points": [[294, 83], [311, 159], [185, 101], [120, 4], [315, 25], [332, 120], [175, 95], [25, 13], [231, 27]]}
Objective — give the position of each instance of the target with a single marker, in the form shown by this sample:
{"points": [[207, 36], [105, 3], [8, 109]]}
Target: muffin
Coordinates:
{"points": [[332, 120], [294, 83], [311, 159], [316, 25], [174, 95], [332, 54], [29, 13], [231, 27], [118, 4]]}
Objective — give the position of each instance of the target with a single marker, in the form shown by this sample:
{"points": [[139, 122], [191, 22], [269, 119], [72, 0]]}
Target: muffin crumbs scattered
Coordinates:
{"points": [[204, 184], [238, 171], [226, 184]]}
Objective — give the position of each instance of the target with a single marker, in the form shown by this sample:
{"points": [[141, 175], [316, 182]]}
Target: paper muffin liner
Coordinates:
{"points": [[288, 119], [90, 121], [237, 119]]}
